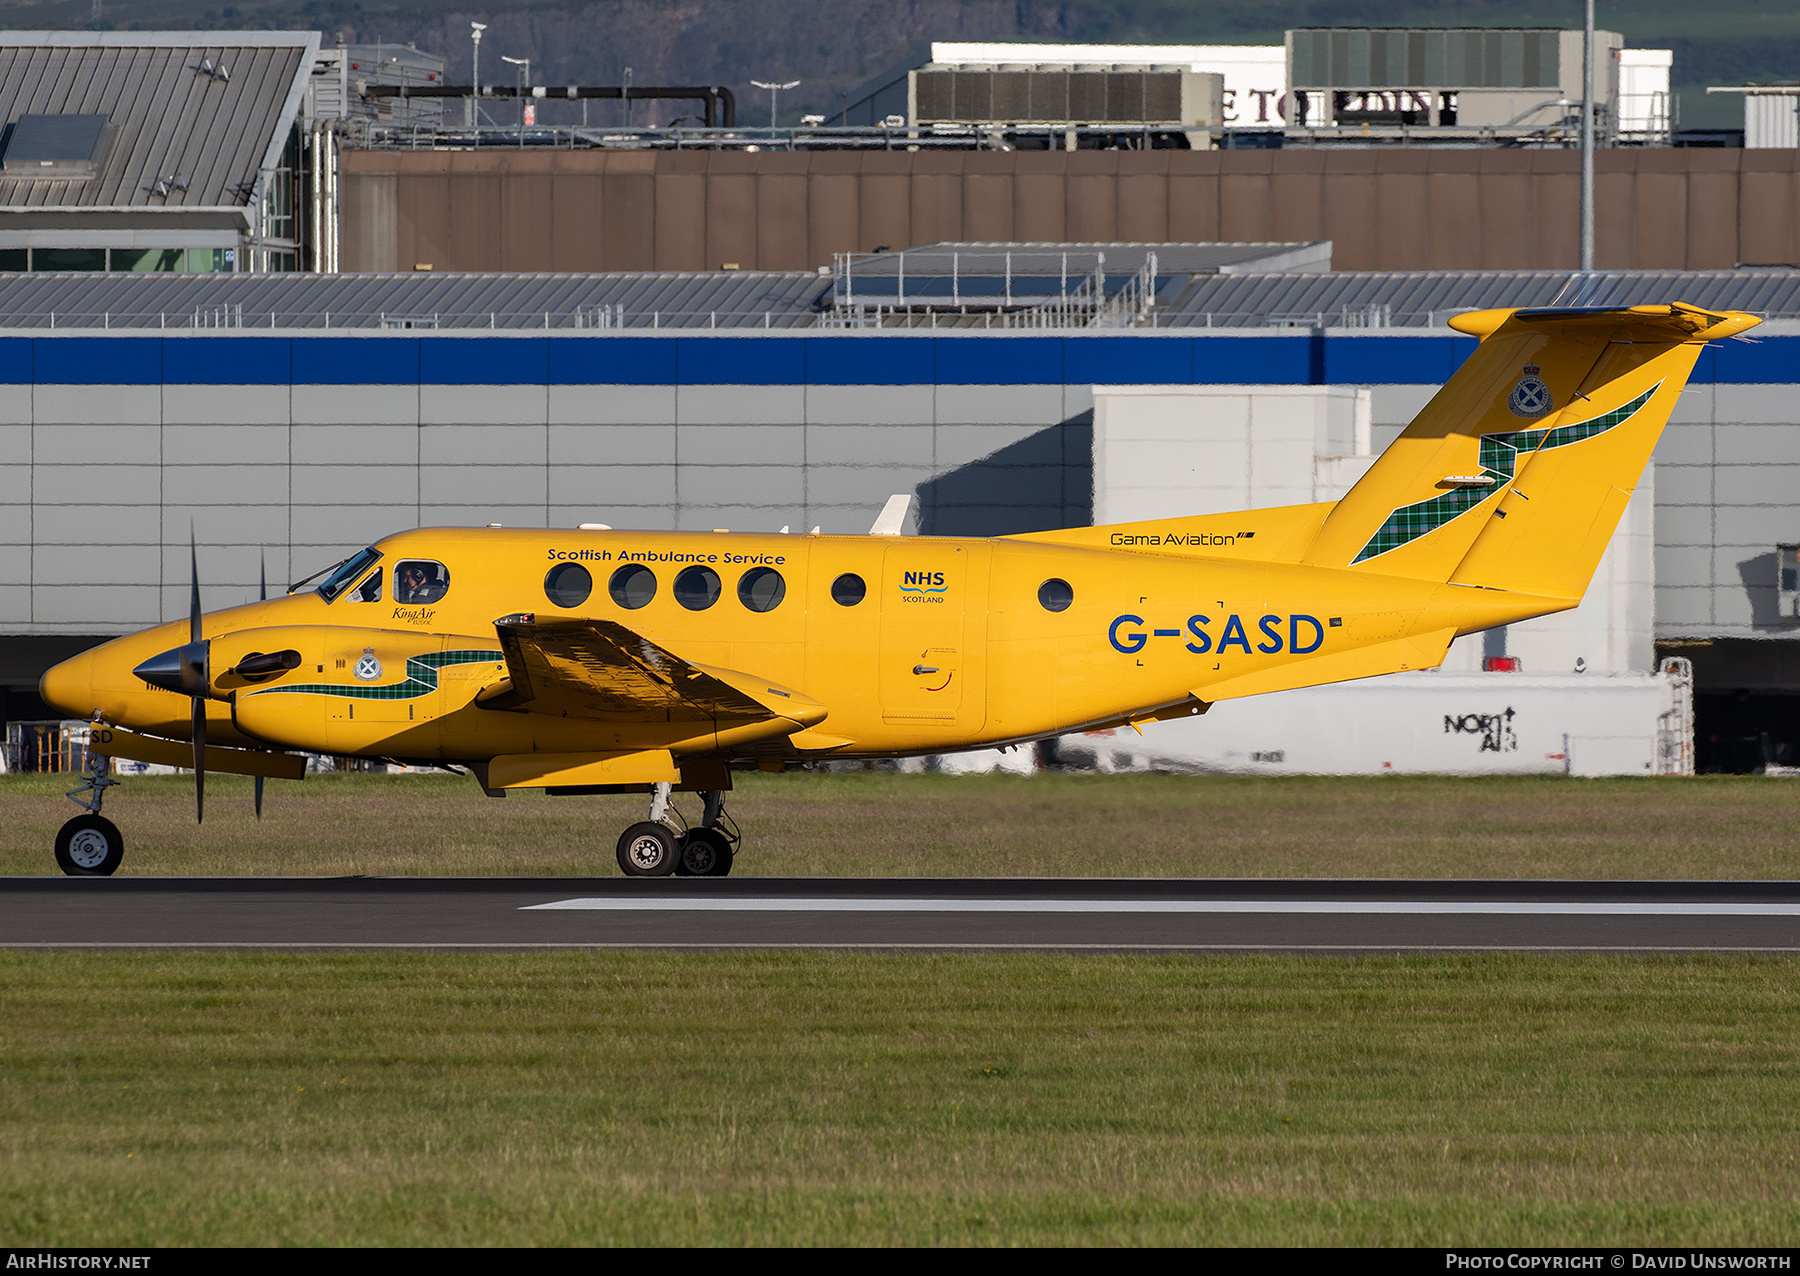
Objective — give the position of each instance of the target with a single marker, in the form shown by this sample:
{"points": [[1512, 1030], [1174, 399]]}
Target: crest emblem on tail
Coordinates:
{"points": [[1530, 397]]}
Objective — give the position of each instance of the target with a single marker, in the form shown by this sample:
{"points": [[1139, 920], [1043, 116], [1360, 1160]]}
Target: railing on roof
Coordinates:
{"points": [[234, 316], [1087, 304]]}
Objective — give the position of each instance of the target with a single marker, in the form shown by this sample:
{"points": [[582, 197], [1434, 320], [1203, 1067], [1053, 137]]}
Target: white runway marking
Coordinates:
{"points": [[858, 904]]}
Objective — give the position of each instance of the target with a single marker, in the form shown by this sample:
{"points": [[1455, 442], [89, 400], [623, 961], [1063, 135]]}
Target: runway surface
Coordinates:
{"points": [[1277, 915]]}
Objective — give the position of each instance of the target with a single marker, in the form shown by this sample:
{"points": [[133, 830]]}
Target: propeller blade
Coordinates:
{"points": [[194, 592], [199, 759], [201, 675], [262, 595]]}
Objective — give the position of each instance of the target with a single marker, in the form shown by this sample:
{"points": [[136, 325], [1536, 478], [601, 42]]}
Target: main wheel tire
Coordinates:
{"points": [[705, 853], [90, 846], [648, 850]]}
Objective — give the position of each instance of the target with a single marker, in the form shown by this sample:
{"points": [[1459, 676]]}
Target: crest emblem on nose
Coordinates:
{"points": [[368, 668]]}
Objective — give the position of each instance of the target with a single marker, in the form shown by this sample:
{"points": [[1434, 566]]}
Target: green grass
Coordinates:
{"points": [[620, 1098], [858, 824], [568, 1098]]}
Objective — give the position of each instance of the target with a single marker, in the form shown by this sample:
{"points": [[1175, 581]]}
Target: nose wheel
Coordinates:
{"points": [[90, 846]]}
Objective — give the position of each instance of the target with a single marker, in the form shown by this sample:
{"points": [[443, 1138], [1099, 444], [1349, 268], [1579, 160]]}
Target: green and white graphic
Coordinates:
{"points": [[421, 678], [1500, 455]]}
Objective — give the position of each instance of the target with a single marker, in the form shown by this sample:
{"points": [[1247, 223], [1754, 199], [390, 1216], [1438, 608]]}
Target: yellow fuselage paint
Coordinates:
{"points": [[949, 648]]}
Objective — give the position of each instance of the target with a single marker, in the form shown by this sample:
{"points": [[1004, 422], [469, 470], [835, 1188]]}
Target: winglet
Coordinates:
{"points": [[892, 519]]}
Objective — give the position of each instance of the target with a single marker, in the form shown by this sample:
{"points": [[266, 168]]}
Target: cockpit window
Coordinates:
{"points": [[419, 580], [347, 571], [370, 590]]}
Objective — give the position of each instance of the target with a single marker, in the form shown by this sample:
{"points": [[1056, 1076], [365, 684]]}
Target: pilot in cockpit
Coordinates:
{"points": [[418, 582]]}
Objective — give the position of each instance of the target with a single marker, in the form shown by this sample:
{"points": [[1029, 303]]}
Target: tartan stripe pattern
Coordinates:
{"points": [[1500, 455], [421, 678]]}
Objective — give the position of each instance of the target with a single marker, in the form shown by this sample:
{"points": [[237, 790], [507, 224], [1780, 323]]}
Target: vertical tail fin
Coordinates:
{"points": [[1515, 474]]}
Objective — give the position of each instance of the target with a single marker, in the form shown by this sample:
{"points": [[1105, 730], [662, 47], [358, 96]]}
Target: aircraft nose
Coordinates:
{"points": [[69, 687]]}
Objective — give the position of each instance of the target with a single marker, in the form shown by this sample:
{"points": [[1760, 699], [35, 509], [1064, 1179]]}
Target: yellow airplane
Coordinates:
{"points": [[601, 661]]}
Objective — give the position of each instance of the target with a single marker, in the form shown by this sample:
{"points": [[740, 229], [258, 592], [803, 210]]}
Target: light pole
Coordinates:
{"points": [[1587, 140], [475, 30], [524, 82], [625, 97], [774, 89]]}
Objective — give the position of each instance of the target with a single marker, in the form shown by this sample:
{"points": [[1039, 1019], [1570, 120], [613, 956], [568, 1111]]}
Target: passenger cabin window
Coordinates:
{"points": [[370, 590], [568, 584], [848, 590], [697, 588], [344, 573], [420, 580], [632, 586], [762, 589]]}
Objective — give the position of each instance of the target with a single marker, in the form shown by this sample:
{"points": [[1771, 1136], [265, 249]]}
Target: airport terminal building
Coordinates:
{"points": [[731, 401]]}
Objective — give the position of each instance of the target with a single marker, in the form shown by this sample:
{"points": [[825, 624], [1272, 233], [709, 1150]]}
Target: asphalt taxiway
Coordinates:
{"points": [[1276, 915]]}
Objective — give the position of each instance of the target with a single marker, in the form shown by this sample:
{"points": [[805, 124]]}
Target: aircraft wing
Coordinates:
{"points": [[600, 669]]}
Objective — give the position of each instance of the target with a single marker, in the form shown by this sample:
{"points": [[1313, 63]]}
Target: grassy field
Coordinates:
{"points": [[837, 1098], [858, 824], [566, 1098]]}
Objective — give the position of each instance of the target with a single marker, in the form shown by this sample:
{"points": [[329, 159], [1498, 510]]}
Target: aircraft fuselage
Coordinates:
{"points": [[952, 643]]}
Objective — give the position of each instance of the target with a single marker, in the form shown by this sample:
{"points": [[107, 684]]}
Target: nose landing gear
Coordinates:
{"points": [[663, 845], [91, 845]]}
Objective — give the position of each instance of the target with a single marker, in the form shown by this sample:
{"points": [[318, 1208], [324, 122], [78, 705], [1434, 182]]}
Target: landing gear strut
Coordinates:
{"points": [[91, 845], [664, 844]]}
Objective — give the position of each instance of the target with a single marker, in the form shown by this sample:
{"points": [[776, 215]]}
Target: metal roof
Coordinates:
{"points": [[1424, 298], [794, 299], [661, 299], [210, 108]]}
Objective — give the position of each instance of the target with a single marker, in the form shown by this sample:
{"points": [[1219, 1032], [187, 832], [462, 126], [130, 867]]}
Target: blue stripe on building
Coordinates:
{"points": [[1280, 357]]}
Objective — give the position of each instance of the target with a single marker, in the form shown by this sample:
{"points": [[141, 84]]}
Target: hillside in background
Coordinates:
{"points": [[838, 48]]}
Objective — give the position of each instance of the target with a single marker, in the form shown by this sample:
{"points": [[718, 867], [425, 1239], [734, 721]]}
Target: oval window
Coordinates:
{"points": [[632, 586], [568, 585], [762, 589], [1055, 595], [697, 588], [848, 590]]}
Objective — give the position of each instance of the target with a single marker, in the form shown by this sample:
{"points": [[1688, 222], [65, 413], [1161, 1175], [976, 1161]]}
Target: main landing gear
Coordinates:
{"points": [[664, 845], [91, 845]]}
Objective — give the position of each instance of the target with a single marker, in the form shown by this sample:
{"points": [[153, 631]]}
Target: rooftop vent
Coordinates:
{"points": [[55, 147]]}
